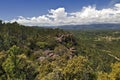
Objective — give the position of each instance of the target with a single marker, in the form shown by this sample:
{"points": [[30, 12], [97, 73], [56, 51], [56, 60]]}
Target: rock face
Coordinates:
{"points": [[72, 49], [60, 38], [65, 47], [69, 42], [47, 52], [64, 38], [41, 59]]}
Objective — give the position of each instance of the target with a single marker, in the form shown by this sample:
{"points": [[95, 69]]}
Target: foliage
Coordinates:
{"points": [[115, 73], [34, 53], [17, 66], [77, 68]]}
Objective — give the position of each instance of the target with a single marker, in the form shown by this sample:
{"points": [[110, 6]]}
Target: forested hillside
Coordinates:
{"points": [[33, 53]]}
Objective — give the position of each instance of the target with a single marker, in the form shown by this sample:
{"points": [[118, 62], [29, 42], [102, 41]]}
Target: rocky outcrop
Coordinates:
{"points": [[64, 38]]}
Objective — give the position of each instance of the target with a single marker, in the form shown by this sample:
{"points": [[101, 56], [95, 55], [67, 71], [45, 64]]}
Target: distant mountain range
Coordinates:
{"points": [[90, 26], [84, 27]]}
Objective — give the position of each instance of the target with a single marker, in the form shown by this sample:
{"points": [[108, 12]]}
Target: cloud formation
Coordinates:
{"points": [[112, 2], [88, 15]]}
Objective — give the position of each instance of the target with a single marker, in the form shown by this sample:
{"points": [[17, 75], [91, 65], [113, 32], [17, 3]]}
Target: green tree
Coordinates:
{"points": [[0, 22], [18, 66], [78, 69], [10, 64], [102, 76], [115, 73], [42, 45], [2, 59]]}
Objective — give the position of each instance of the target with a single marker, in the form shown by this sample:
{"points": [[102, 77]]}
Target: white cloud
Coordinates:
{"points": [[88, 15], [58, 14], [112, 2]]}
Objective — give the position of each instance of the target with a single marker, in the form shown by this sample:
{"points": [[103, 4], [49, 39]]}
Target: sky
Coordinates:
{"points": [[60, 12]]}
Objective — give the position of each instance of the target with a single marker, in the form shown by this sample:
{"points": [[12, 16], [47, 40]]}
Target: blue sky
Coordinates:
{"points": [[11, 9], [28, 8]]}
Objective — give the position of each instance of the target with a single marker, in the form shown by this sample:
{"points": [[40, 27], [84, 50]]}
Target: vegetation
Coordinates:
{"points": [[33, 53]]}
